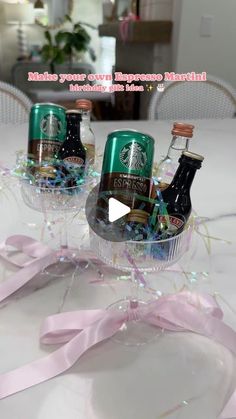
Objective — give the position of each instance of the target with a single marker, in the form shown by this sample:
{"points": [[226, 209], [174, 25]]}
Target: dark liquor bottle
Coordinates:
{"points": [[72, 151], [177, 196]]}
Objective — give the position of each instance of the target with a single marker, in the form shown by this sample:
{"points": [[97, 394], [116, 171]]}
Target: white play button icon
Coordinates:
{"points": [[106, 214], [116, 210]]}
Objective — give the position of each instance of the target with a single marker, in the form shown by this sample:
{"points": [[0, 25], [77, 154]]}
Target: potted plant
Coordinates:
{"points": [[67, 44]]}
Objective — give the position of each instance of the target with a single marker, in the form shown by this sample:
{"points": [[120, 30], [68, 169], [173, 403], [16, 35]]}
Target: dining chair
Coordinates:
{"points": [[14, 105], [183, 100]]}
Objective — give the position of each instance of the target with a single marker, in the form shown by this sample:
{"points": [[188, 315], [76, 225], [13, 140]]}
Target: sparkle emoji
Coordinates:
{"points": [[149, 87]]}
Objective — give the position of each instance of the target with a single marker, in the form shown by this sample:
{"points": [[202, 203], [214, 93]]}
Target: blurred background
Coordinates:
{"points": [[104, 36]]}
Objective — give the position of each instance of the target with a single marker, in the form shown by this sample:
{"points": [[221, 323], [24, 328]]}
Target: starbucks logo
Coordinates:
{"points": [[51, 126], [133, 156]]}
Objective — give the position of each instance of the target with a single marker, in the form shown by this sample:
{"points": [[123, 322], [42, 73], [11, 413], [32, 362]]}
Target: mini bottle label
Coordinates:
{"points": [[172, 222], [125, 187], [73, 162]]}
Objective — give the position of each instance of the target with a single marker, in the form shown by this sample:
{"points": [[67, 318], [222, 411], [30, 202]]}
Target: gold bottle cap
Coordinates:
{"points": [[84, 104], [72, 111], [182, 130], [162, 186], [138, 216], [48, 171], [193, 155]]}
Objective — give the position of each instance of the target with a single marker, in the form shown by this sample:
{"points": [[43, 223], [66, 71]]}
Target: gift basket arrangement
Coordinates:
{"points": [[140, 221], [59, 174]]}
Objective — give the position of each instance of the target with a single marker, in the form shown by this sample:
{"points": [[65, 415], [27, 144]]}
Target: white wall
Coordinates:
{"points": [[176, 17], [215, 54]]}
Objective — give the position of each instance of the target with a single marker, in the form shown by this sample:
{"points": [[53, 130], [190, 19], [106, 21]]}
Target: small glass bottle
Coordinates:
{"points": [[84, 106], [180, 142]]}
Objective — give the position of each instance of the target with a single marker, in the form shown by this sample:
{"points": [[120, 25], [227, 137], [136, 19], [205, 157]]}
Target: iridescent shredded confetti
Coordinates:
{"points": [[196, 222], [138, 274], [179, 406], [52, 174]]}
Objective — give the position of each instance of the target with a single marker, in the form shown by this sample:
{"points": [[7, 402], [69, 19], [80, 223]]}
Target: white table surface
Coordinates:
{"points": [[112, 381]]}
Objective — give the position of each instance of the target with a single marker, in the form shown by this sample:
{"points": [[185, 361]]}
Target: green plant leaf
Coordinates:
{"points": [[48, 36], [47, 52], [67, 49], [80, 30], [60, 37], [66, 37], [67, 43], [60, 57], [67, 17], [79, 44], [77, 27], [83, 36]]}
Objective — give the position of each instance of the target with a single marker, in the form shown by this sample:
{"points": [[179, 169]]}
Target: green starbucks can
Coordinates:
{"points": [[47, 131], [127, 166]]}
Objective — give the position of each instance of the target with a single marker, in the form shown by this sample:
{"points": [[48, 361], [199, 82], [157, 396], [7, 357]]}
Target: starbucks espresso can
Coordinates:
{"points": [[47, 131], [127, 167]]}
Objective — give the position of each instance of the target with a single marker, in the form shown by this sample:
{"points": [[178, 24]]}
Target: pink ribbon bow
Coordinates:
{"points": [[81, 330], [39, 256]]}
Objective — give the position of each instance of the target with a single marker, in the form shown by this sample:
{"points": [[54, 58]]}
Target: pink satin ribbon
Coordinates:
{"points": [[41, 256], [81, 330]]}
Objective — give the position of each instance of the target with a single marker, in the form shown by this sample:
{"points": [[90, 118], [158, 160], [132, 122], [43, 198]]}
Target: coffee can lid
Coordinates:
{"points": [[48, 104], [132, 133]]}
